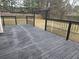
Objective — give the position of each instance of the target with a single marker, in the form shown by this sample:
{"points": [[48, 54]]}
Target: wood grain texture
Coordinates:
{"points": [[27, 42]]}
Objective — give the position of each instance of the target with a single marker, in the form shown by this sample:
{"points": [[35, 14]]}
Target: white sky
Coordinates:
{"points": [[19, 3], [77, 2]]}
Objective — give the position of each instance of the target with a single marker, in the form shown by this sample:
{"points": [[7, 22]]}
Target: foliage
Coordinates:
{"points": [[58, 8], [30, 3], [8, 4]]}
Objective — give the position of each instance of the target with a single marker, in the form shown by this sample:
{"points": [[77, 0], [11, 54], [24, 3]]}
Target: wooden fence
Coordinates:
{"points": [[65, 28]]}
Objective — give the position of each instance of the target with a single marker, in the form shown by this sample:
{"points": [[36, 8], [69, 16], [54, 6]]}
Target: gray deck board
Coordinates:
{"points": [[27, 42]]}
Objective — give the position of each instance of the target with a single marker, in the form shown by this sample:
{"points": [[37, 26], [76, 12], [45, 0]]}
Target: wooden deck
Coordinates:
{"points": [[27, 42]]}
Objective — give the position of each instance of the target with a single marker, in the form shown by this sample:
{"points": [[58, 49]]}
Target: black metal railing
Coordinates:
{"points": [[70, 22]]}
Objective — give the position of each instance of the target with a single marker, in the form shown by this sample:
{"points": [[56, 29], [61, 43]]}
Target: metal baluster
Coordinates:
{"points": [[46, 15], [15, 20], [34, 19], [68, 31]]}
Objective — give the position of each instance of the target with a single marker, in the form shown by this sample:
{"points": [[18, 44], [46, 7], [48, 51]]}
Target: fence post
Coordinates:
{"points": [[68, 31], [26, 19], [46, 15]]}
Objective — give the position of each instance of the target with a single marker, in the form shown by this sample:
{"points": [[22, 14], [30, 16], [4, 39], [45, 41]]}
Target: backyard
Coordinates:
{"points": [[58, 28], [39, 29]]}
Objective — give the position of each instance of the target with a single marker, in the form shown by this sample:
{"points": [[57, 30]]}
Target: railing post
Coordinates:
{"points": [[3, 21], [46, 15], [34, 19], [68, 31], [15, 20], [26, 19]]}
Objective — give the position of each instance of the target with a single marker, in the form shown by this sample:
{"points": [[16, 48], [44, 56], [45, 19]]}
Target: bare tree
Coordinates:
{"points": [[8, 4], [60, 8], [30, 3]]}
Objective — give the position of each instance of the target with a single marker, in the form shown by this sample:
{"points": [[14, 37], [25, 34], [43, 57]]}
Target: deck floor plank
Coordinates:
{"points": [[27, 42]]}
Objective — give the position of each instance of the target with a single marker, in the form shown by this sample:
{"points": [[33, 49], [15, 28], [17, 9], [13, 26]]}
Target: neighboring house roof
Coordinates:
{"points": [[21, 14], [14, 14], [73, 14]]}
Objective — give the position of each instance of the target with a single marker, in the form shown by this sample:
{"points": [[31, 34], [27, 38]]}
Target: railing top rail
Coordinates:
{"points": [[65, 20]]}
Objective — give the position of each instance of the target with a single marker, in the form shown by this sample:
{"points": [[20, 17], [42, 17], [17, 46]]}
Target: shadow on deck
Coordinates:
{"points": [[27, 42]]}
